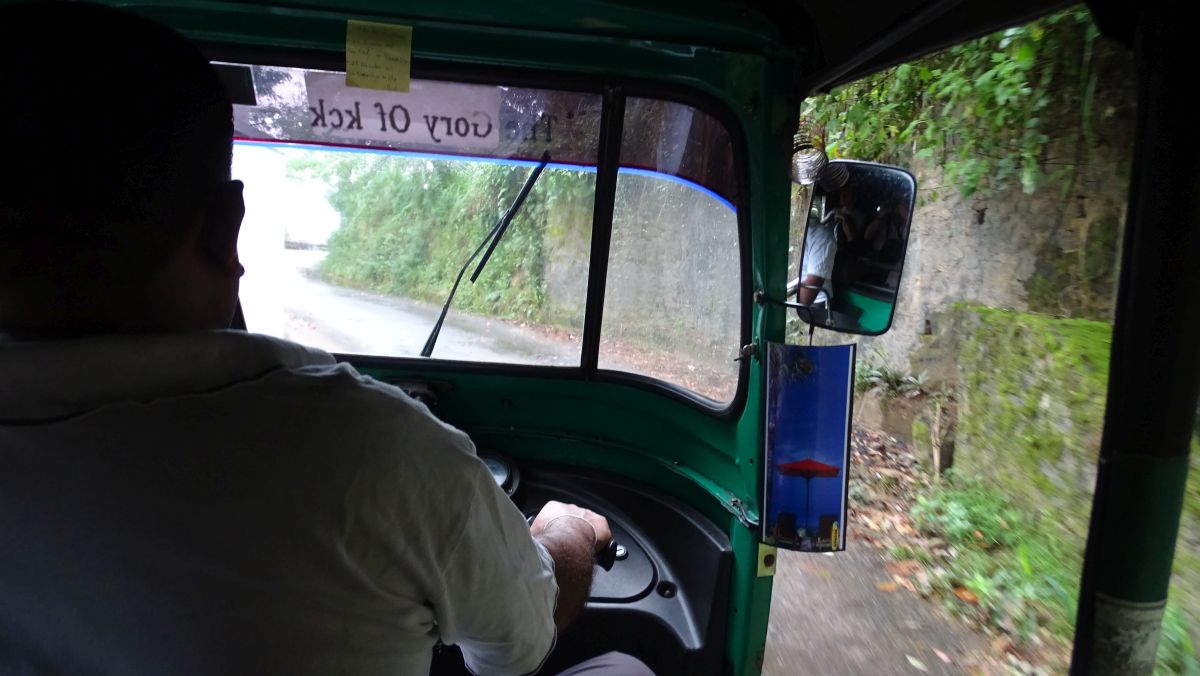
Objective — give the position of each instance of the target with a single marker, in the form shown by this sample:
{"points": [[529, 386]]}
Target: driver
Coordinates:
{"points": [[814, 286], [179, 499]]}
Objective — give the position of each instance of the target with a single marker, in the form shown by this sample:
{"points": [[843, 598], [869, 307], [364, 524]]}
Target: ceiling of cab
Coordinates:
{"points": [[834, 41], [837, 40]]}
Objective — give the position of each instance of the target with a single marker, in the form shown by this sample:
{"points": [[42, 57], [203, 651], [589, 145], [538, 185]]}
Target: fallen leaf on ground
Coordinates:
{"points": [[942, 656], [906, 568], [887, 586], [918, 664], [966, 595], [922, 584]]}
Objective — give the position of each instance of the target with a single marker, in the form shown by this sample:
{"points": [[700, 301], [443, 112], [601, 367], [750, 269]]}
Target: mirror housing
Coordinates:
{"points": [[855, 240]]}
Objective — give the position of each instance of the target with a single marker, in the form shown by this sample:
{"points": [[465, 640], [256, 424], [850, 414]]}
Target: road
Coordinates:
{"points": [[829, 618], [280, 297]]}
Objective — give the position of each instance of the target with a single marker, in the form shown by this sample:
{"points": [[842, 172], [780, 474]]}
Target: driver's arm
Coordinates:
{"points": [[810, 286], [499, 592], [573, 536], [816, 264], [429, 527]]}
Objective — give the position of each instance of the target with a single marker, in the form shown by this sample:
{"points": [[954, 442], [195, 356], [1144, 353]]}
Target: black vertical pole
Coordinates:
{"points": [[1154, 373]]}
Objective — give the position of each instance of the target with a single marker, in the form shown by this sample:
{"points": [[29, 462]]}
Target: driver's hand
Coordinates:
{"points": [[561, 515]]}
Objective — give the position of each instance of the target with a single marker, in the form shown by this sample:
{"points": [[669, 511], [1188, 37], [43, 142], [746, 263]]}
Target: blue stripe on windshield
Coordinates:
{"points": [[490, 160]]}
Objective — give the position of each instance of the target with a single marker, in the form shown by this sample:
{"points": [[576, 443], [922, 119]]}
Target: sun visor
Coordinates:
{"points": [[478, 121]]}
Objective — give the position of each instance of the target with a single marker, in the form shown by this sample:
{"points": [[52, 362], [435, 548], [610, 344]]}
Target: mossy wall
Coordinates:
{"points": [[1031, 392]]}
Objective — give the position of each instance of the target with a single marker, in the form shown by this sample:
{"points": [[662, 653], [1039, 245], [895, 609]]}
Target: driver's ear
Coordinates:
{"points": [[222, 222]]}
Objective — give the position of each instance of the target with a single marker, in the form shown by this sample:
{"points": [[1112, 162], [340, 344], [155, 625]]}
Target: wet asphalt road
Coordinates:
{"points": [[281, 298], [828, 618]]}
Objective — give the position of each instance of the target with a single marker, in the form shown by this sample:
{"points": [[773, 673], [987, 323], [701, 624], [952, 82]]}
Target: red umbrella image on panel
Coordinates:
{"points": [[809, 469]]}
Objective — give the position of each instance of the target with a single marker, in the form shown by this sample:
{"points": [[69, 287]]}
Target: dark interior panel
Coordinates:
{"points": [[665, 598]]}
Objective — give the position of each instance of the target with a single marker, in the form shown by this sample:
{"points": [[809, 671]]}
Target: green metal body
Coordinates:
{"points": [[734, 61], [875, 314]]}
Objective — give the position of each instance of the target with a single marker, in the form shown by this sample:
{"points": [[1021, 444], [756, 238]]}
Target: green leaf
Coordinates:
{"points": [[1029, 176], [1025, 55], [1023, 558]]}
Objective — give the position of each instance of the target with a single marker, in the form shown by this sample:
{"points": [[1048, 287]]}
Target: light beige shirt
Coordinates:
{"points": [[226, 503]]}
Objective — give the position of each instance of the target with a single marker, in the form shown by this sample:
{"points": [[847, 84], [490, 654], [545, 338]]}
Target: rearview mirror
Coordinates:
{"points": [[855, 238]]}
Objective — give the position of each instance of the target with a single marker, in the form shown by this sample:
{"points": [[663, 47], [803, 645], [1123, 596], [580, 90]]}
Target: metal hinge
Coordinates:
{"points": [[747, 352]]}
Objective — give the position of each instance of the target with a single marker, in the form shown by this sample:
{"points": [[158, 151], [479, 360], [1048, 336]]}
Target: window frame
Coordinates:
{"points": [[614, 90]]}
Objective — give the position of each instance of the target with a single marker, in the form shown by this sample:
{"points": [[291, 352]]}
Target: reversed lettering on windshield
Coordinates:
{"points": [[448, 116]]}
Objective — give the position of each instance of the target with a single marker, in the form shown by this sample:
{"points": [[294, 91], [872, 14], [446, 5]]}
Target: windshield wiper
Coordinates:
{"points": [[490, 242]]}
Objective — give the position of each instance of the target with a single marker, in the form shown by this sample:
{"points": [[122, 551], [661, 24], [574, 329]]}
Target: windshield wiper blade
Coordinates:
{"points": [[489, 242]]}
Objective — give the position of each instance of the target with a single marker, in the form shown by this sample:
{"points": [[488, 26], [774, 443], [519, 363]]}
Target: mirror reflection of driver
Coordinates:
{"points": [[846, 216], [885, 233], [816, 268], [821, 240]]}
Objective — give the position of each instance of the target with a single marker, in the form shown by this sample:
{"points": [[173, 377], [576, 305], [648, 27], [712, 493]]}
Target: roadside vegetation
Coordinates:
{"points": [[1030, 109], [999, 539], [1007, 561], [1013, 571], [408, 225], [876, 374], [994, 112]]}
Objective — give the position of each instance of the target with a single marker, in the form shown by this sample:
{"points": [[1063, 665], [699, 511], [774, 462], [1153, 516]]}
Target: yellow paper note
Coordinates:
{"points": [[378, 55]]}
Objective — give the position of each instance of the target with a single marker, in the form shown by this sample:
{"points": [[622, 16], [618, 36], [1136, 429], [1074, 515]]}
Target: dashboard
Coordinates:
{"points": [[662, 593]]}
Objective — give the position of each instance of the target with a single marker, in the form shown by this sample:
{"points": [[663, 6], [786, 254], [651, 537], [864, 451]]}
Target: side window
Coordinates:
{"points": [[671, 307]]}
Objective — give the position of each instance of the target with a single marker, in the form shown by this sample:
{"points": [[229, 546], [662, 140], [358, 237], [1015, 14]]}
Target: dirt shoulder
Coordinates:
{"points": [[865, 611]]}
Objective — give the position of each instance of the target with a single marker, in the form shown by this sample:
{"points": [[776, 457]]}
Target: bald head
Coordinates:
{"points": [[118, 137], [105, 110]]}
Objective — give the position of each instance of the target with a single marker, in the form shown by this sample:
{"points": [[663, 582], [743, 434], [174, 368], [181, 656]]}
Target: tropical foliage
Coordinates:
{"points": [[409, 224], [999, 111]]}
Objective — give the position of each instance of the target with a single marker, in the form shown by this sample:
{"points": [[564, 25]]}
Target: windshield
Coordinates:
{"points": [[363, 206]]}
